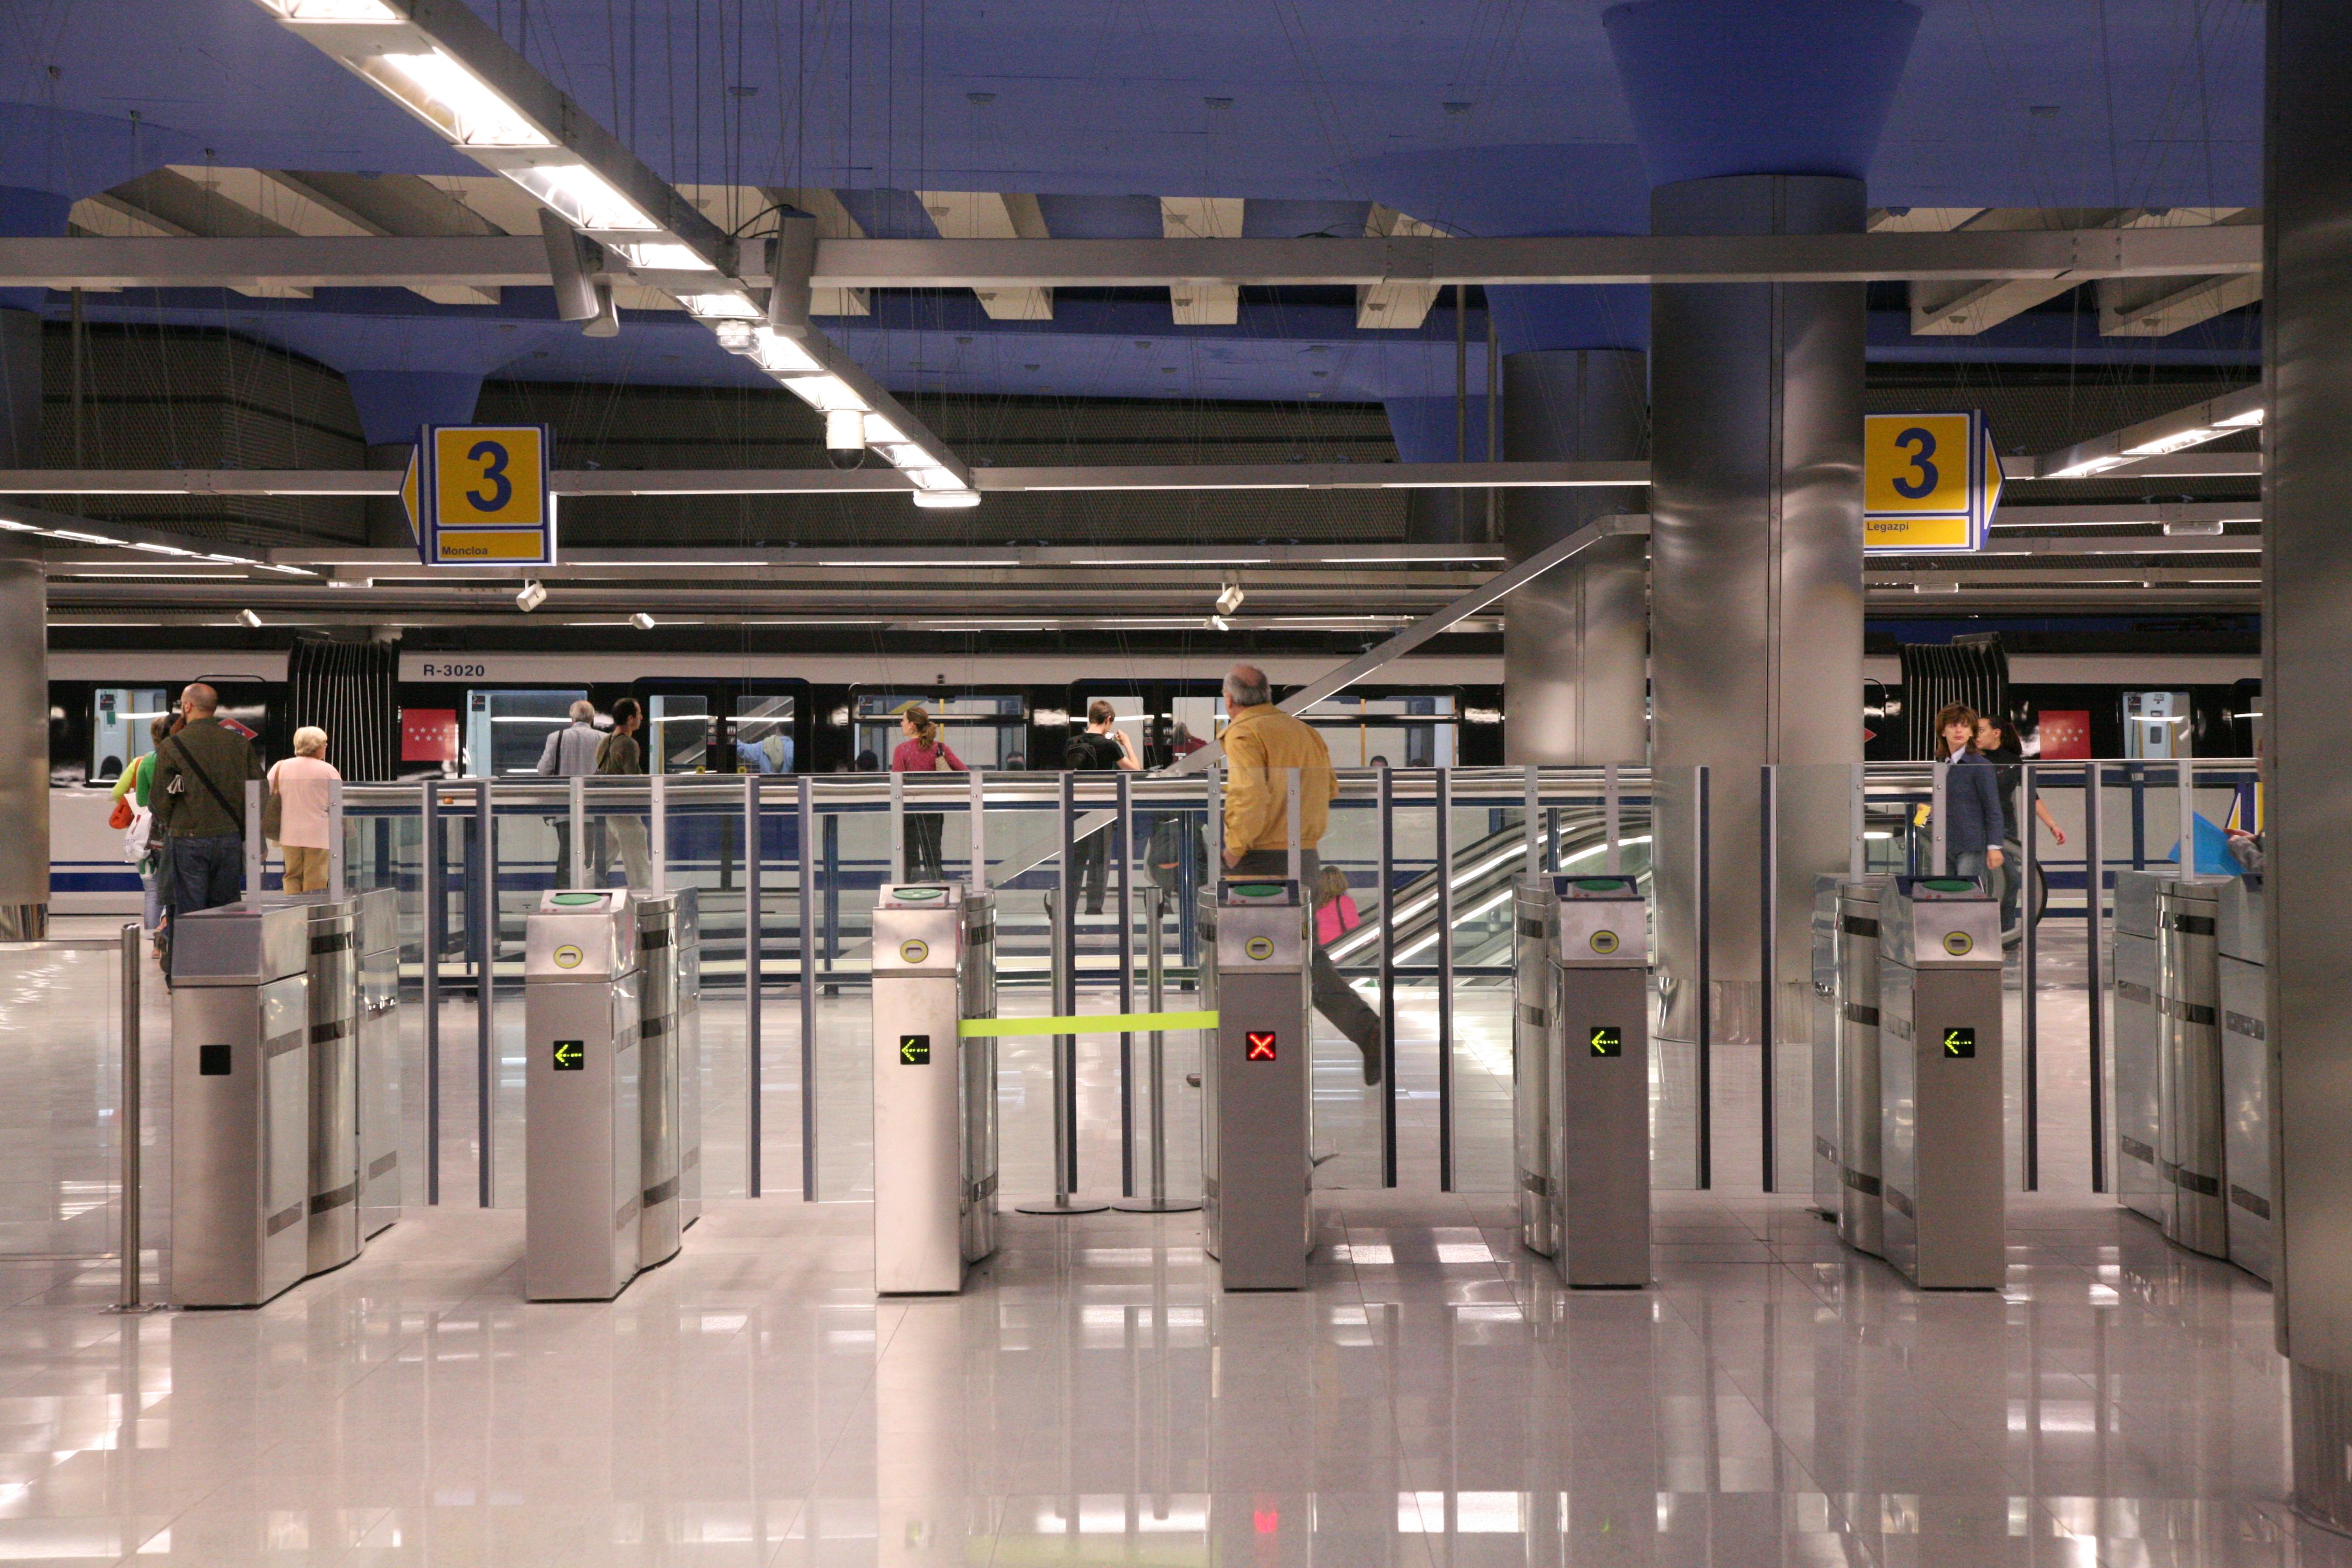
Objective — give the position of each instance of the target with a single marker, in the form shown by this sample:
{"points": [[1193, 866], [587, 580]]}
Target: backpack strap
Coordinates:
{"points": [[188, 759]]}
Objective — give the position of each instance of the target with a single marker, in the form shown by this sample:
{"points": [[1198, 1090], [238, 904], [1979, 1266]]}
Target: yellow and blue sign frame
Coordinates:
{"points": [[1930, 483], [479, 495]]}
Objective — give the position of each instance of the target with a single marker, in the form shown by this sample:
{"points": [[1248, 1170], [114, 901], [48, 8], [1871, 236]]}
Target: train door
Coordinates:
{"points": [[120, 717], [505, 729]]}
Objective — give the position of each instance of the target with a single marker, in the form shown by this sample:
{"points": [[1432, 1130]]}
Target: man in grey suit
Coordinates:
{"points": [[571, 752]]}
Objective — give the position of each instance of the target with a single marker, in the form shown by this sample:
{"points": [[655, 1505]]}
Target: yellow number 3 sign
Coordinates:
{"points": [[1929, 482], [481, 495]]}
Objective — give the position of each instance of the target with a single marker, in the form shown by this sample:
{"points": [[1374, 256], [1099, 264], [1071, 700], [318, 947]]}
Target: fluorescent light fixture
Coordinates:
{"points": [[2090, 465], [1179, 561], [934, 479], [1400, 560], [287, 571], [102, 539], [11, 525], [825, 392], [781, 355], [334, 10], [457, 103], [2178, 441], [907, 455], [880, 432], [642, 621], [2200, 528], [720, 307], [2248, 420], [947, 498], [248, 617], [968, 561], [581, 195], [664, 255]]}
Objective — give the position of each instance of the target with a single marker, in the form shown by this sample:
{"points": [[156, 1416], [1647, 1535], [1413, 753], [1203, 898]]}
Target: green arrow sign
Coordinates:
{"points": [[571, 1056]]}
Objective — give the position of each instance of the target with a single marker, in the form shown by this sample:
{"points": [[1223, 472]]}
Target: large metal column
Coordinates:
{"points": [[1755, 582], [1575, 640], [2306, 644]]}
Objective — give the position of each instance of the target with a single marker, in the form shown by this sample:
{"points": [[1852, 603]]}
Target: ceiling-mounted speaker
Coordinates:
{"points": [[572, 262], [791, 261]]}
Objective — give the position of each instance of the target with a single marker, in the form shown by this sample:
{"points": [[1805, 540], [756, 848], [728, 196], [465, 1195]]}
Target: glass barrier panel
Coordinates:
{"points": [[60, 1067]]}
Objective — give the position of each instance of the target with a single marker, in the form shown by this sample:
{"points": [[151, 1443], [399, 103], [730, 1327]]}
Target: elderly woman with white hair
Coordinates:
{"points": [[303, 786]]}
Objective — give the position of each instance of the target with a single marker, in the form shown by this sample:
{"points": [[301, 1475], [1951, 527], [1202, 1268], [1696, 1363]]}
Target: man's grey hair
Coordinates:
{"points": [[1246, 684], [584, 711]]}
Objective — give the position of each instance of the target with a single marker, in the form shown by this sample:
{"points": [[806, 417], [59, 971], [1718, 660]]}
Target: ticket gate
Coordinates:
{"points": [[585, 1127], [934, 1091], [334, 1209], [1941, 1132], [1256, 1170], [1826, 1168], [669, 1067], [1861, 1208], [1534, 1058], [2136, 1043], [376, 925], [2189, 1145], [2246, 1080], [1583, 993], [240, 1102]]}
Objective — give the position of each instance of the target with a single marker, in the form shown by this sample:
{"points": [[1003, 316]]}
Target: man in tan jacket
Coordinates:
{"points": [[1262, 746]]}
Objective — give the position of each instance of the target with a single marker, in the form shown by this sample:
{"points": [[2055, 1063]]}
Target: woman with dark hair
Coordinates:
{"points": [[1999, 743], [924, 750]]}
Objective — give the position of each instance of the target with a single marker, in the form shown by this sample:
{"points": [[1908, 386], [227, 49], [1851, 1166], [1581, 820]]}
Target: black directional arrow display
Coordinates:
{"points": [[914, 1050], [1960, 1042], [571, 1056]]}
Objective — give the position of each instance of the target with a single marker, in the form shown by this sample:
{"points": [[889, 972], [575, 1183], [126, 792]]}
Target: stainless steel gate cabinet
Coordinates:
{"points": [[240, 1104], [1258, 1218], [1535, 1053], [334, 1227], [934, 1092], [2138, 1047], [665, 924], [375, 922], [1862, 1216], [2189, 1145], [1939, 1050], [585, 1130], [2246, 1080], [1598, 959], [1828, 1170]]}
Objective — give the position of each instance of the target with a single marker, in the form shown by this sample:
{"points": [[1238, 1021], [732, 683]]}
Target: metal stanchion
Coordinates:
{"points": [[808, 991], [1155, 956], [1939, 862], [335, 868], [2028, 1031], [437, 894], [1444, 836], [751, 913], [2094, 917], [1125, 828], [128, 1121], [1060, 926], [1706, 986], [1387, 809], [485, 952], [1768, 861]]}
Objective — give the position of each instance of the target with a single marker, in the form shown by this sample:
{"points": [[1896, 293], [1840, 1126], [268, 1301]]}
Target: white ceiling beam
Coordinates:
{"points": [[282, 200], [1201, 302], [110, 214], [986, 215], [2167, 439], [1396, 304], [2159, 306]]}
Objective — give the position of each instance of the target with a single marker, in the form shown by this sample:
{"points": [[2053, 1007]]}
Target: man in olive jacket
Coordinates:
{"points": [[198, 798]]}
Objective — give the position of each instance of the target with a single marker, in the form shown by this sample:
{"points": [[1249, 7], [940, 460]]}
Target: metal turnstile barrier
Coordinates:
{"points": [[1535, 1048], [2247, 1080], [1861, 1208], [375, 927], [669, 1067], [2135, 1046], [1256, 1168], [240, 1104], [2189, 1145], [1942, 1127], [1827, 1170], [584, 1128], [334, 1001], [934, 1088], [1593, 1008]]}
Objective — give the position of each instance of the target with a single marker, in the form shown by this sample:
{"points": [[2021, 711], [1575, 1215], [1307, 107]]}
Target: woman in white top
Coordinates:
{"points": [[303, 783]]}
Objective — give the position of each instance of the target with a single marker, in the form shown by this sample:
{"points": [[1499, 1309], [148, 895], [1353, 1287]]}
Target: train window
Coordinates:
{"points": [[1403, 732], [2156, 725], [985, 730], [117, 732], [506, 731], [764, 735], [681, 728]]}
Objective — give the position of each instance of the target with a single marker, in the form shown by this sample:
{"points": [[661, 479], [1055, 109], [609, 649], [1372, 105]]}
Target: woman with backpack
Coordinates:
{"points": [[924, 750], [134, 815]]}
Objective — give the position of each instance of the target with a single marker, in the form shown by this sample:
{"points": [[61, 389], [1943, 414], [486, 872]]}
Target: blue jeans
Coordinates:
{"points": [[207, 872]]}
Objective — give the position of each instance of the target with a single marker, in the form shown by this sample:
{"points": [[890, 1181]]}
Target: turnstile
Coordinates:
{"points": [[376, 925], [2247, 1080], [1257, 1170], [1596, 969], [585, 1130], [1941, 1132], [1861, 1208], [1827, 1170], [334, 1209], [2136, 1044], [669, 1067], [240, 1104], [1534, 1049], [934, 1091], [2189, 1145]]}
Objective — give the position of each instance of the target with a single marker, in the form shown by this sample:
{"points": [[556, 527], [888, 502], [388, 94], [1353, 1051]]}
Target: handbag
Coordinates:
{"points": [[939, 763], [120, 818], [135, 834], [273, 811]]}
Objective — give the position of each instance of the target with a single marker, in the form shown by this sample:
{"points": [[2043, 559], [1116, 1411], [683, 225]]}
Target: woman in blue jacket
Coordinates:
{"points": [[1972, 816]]}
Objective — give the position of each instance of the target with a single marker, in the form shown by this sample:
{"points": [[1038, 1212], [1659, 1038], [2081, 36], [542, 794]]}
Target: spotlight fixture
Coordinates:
{"points": [[642, 621], [533, 596], [1231, 599], [248, 617]]}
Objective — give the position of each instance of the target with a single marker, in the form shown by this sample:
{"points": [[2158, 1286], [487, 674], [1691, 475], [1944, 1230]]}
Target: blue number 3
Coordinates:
{"points": [[492, 455], [1925, 485]]}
